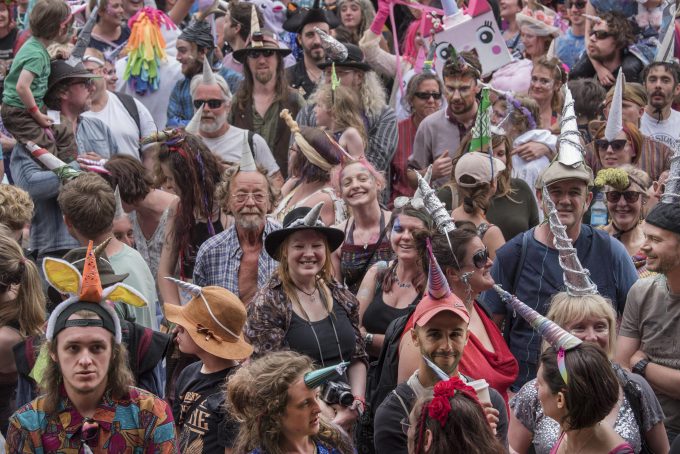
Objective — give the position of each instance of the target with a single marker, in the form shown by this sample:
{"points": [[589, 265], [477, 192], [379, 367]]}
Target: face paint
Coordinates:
{"points": [[396, 227]]}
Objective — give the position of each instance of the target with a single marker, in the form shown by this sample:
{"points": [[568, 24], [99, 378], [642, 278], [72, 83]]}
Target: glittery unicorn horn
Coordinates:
{"points": [[83, 39], [335, 50], [51, 162], [576, 278], [666, 50], [571, 151], [437, 285], [615, 120], [319, 377], [435, 208], [417, 200], [560, 339]]}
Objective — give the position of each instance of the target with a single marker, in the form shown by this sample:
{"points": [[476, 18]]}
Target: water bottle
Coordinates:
{"points": [[598, 212]]}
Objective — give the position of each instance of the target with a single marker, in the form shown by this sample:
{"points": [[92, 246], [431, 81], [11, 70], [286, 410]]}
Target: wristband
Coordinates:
{"points": [[359, 405], [640, 366], [33, 109]]}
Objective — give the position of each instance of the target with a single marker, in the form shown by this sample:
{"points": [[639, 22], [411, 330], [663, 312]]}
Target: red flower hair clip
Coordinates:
{"points": [[439, 407]]}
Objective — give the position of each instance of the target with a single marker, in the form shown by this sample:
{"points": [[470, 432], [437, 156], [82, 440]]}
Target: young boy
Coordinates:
{"points": [[23, 108], [209, 326]]}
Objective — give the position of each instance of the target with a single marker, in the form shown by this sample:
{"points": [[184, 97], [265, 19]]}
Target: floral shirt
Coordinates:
{"points": [[141, 423], [270, 313]]}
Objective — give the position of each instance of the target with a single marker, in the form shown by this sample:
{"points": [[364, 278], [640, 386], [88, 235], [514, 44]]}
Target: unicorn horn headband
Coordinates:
{"points": [[208, 75], [437, 286], [247, 163], [436, 209], [310, 153], [576, 278], [555, 335], [571, 151], [119, 205], [194, 124], [335, 50], [83, 39], [615, 119]]}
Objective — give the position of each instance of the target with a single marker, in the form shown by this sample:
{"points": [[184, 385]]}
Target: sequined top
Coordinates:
{"points": [[546, 431]]}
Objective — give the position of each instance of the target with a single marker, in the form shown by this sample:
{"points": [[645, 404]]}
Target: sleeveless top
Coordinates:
{"points": [[338, 205], [150, 249], [355, 259], [379, 314]]}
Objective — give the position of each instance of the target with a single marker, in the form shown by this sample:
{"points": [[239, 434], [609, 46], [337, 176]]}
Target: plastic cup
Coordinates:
{"points": [[481, 387]]}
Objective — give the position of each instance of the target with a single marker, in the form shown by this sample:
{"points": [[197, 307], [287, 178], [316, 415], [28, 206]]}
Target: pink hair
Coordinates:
{"points": [[410, 48]]}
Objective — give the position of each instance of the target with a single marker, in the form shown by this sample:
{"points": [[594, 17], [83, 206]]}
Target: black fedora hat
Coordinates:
{"points": [[303, 16], [302, 218], [355, 59]]}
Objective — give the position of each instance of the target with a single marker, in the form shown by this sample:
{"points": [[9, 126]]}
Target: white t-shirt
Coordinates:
{"points": [[123, 125], [229, 147], [665, 131]]}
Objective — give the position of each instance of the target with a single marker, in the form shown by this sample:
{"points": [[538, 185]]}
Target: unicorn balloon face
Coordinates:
{"points": [[474, 30]]}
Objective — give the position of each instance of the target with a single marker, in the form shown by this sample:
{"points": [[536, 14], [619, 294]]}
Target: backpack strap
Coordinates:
{"points": [[131, 107], [518, 274]]}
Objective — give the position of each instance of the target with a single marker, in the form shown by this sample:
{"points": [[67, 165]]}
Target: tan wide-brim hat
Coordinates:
{"points": [[214, 320], [537, 26]]}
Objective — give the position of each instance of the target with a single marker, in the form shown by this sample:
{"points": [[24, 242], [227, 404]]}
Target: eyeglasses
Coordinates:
{"points": [[629, 196], [604, 144], [255, 54], [212, 103], [480, 258], [425, 95], [241, 197], [579, 5], [600, 34], [86, 82]]}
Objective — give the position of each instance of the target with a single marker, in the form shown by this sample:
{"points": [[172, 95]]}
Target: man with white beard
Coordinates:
{"points": [[212, 100]]}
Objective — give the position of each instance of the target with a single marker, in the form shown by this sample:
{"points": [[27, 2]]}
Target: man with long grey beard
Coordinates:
{"points": [[212, 101], [233, 258]]}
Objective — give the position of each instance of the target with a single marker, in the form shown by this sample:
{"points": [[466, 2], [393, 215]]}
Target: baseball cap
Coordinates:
{"points": [[429, 307], [475, 168]]}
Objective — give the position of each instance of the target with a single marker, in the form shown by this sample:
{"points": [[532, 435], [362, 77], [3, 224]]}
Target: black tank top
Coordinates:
{"points": [[379, 315]]}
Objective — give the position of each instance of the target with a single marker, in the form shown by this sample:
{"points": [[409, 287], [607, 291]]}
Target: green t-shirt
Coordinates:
{"points": [[32, 57]]}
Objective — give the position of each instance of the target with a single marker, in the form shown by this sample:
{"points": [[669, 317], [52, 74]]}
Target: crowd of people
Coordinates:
{"points": [[362, 226]]}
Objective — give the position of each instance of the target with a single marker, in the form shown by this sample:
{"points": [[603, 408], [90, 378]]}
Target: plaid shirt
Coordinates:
{"points": [[181, 107], [218, 258]]}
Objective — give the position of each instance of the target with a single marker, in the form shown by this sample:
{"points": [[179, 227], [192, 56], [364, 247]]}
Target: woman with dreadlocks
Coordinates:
{"points": [[192, 171]]}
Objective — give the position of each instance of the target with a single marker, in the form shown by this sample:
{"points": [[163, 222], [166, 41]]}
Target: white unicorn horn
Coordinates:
{"points": [[189, 288]]}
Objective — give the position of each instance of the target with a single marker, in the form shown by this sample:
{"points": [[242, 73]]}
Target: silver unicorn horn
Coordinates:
{"points": [[576, 278], [189, 288]]}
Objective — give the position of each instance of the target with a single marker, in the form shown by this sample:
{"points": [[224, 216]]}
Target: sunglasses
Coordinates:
{"points": [[212, 103], [604, 144], [86, 82], [579, 5], [629, 196], [480, 258], [425, 95], [600, 34], [255, 54]]}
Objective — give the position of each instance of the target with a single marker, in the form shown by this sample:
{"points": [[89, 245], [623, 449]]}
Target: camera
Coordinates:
{"points": [[337, 393]]}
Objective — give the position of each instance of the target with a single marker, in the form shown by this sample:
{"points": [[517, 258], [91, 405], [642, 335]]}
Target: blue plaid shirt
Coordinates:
{"points": [[181, 108], [218, 259]]}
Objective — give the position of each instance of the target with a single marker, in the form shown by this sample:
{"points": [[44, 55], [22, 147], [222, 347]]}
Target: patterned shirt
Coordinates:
{"points": [[142, 423], [181, 107], [218, 259], [270, 313]]}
